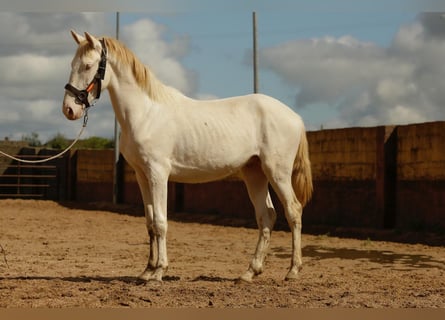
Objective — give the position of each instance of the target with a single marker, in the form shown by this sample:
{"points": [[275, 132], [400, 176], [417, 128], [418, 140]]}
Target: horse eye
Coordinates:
{"points": [[88, 66]]}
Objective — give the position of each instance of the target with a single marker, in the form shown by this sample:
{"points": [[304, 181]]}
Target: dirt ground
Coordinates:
{"points": [[63, 255]]}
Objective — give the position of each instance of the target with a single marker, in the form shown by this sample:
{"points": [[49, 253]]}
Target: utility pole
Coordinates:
{"points": [[255, 54], [116, 169]]}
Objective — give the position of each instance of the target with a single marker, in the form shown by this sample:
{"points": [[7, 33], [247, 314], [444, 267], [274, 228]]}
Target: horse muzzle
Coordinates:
{"points": [[72, 113]]}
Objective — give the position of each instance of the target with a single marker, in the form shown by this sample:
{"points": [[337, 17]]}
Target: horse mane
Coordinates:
{"points": [[143, 76]]}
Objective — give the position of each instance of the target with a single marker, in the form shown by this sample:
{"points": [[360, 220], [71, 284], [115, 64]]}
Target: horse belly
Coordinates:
{"points": [[213, 160], [204, 170], [193, 175]]}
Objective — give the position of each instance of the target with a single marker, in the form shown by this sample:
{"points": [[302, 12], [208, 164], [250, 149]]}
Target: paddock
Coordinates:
{"points": [[66, 255]]}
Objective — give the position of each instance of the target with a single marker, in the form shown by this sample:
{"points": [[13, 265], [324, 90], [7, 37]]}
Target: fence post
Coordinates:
{"points": [[386, 176]]}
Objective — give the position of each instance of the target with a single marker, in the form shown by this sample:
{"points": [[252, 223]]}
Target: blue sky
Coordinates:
{"points": [[221, 43], [338, 63]]}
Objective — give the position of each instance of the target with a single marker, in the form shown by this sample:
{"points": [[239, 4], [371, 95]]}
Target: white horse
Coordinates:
{"points": [[168, 136]]}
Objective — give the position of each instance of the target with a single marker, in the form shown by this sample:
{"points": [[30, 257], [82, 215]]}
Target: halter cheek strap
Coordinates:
{"points": [[82, 95]]}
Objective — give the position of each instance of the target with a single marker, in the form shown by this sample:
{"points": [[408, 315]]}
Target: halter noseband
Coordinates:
{"points": [[82, 95]]}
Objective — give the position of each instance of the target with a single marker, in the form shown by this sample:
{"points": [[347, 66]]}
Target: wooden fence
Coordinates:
{"points": [[33, 181], [382, 177]]}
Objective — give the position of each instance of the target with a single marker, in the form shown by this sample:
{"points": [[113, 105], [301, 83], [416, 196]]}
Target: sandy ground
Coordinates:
{"points": [[62, 255]]}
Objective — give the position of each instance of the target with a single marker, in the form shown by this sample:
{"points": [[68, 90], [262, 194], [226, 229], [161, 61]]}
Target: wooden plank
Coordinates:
{"points": [[25, 185]]}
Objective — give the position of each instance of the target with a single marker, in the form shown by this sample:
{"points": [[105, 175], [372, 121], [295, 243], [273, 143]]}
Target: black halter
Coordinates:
{"points": [[82, 95]]}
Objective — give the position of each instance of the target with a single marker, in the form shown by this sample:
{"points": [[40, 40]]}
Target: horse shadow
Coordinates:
{"points": [[122, 279], [382, 257], [88, 279]]}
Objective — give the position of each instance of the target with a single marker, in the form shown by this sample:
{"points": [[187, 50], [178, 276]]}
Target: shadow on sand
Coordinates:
{"points": [[384, 257], [137, 210]]}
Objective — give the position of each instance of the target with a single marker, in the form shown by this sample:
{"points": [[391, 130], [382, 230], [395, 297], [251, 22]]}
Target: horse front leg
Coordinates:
{"points": [[148, 209], [158, 234], [153, 251]]}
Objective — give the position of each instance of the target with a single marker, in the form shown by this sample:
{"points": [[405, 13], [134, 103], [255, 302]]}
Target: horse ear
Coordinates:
{"points": [[77, 37], [93, 41]]}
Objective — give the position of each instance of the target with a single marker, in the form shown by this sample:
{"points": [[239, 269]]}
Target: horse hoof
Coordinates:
{"points": [[246, 277], [242, 280], [150, 278], [151, 275], [154, 280], [292, 275], [145, 276]]}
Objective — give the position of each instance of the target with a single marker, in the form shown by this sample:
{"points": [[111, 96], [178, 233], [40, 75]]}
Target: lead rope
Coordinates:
{"points": [[85, 120]]}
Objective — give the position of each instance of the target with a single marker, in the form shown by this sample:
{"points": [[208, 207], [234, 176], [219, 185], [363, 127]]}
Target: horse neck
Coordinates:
{"points": [[129, 100], [119, 94]]}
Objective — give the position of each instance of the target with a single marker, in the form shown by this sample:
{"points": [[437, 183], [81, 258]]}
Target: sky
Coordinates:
{"points": [[338, 63]]}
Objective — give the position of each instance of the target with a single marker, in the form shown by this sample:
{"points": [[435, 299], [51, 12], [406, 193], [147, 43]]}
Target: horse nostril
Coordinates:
{"points": [[69, 112]]}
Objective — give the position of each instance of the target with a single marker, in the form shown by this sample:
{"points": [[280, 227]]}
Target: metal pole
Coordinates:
{"points": [[116, 142], [255, 54]]}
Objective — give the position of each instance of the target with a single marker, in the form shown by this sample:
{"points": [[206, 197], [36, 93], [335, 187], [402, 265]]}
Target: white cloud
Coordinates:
{"points": [[35, 54], [368, 84], [33, 76], [408, 114], [145, 38]]}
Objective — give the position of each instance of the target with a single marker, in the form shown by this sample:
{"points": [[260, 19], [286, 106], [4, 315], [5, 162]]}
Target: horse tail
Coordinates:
{"points": [[302, 173]]}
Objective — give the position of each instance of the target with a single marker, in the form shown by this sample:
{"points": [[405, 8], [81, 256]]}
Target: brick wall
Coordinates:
{"points": [[380, 177], [94, 175], [421, 176]]}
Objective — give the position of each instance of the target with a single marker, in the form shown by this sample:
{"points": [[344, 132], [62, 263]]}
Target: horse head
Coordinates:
{"points": [[88, 76]]}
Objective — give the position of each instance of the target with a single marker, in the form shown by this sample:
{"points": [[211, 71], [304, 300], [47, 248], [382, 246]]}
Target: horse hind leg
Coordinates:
{"points": [[282, 184], [257, 187]]}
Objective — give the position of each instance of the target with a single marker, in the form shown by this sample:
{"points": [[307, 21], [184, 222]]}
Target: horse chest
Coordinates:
{"points": [[141, 152]]}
